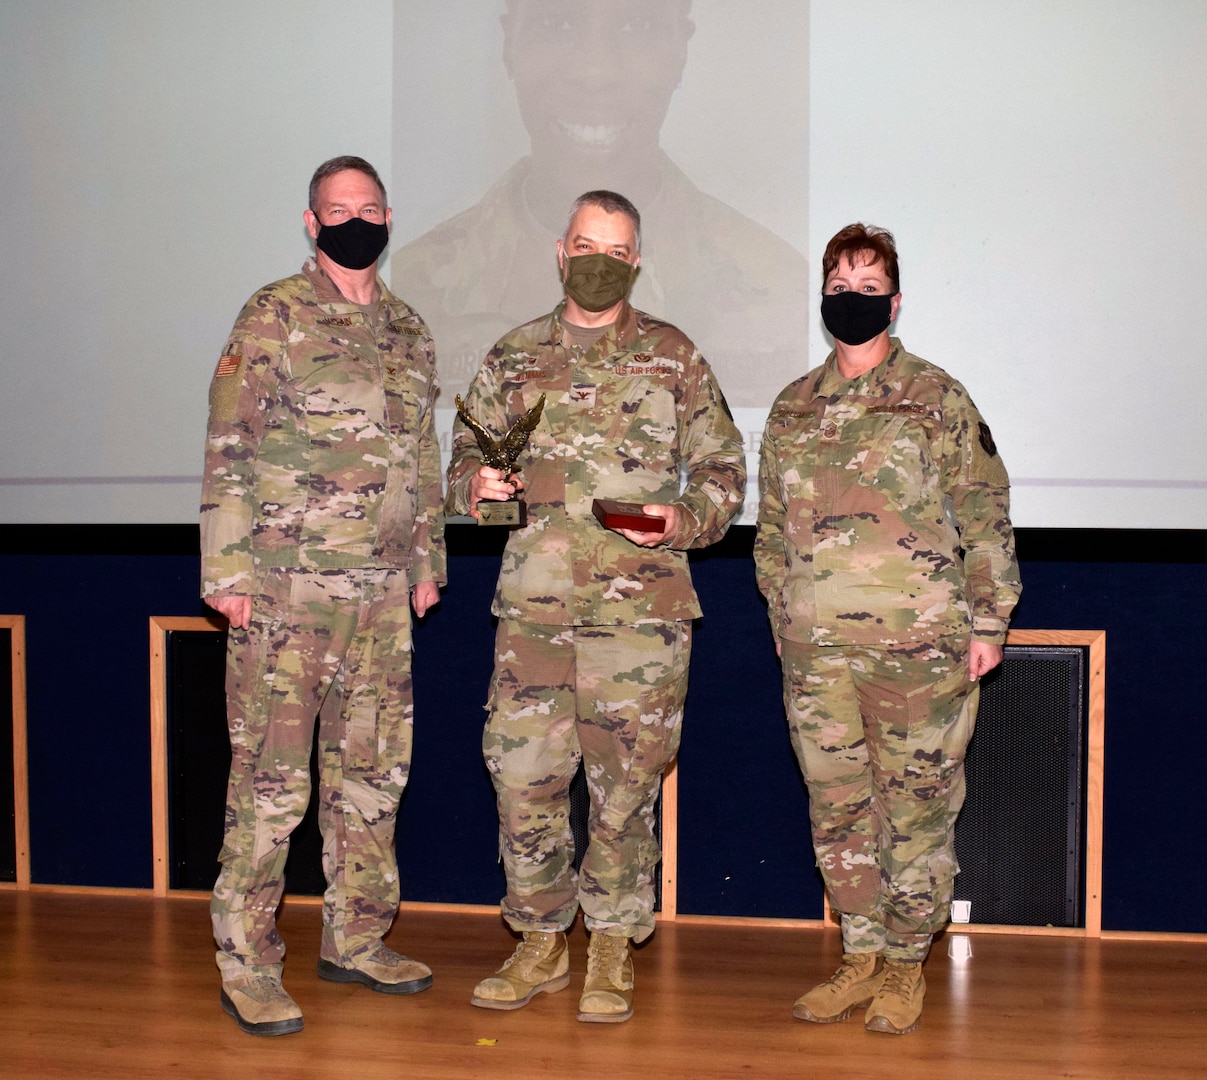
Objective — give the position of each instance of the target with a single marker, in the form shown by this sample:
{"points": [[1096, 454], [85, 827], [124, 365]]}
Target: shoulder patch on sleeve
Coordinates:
{"points": [[224, 390], [228, 364], [724, 404], [987, 443], [985, 464]]}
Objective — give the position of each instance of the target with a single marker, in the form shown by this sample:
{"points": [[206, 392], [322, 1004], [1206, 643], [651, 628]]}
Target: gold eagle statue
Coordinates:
{"points": [[502, 453]]}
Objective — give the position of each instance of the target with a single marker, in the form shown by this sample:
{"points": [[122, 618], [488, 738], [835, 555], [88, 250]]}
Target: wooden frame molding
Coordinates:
{"points": [[161, 626], [668, 910], [15, 624], [1095, 641]]}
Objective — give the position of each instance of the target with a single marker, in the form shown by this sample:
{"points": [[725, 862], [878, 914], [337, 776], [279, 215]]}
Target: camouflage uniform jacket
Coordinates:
{"points": [[321, 451], [619, 421], [884, 510]]}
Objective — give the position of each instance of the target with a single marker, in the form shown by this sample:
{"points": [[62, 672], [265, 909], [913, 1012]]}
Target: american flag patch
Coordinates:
{"points": [[228, 364]]}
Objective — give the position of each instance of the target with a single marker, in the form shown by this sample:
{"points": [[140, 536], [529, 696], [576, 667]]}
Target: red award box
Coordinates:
{"points": [[625, 515]]}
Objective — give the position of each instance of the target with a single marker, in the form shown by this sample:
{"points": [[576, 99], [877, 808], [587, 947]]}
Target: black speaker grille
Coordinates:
{"points": [[199, 762], [1019, 838]]}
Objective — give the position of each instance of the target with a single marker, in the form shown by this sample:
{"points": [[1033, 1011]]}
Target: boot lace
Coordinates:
{"points": [[606, 955], [849, 973], [385, 956], [529, 952], [263, 989], [900, 980]]}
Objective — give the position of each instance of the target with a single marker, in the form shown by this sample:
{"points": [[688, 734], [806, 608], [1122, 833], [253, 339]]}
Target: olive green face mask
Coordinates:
{"points": [[596, 282]]}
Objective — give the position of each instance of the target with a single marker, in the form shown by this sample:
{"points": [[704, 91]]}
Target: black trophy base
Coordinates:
{"points": [[510, 513]]}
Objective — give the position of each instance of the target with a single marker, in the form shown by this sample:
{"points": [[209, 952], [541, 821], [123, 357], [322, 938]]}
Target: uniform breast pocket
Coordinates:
{"points": [[341, 415], [898, 461], [641, 413], [406, 399], [797, 439], [799, 493]]}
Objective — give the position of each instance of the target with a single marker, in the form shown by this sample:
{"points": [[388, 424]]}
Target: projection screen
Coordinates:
{"points": [[1039, 164]]}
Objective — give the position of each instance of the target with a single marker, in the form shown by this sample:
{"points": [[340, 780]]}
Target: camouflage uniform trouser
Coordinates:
{"points": [[880, 734], [339, 640], [611, 696]]}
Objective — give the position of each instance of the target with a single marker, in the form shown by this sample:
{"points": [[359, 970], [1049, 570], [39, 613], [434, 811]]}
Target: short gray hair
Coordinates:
{"points": [[610, 202]]}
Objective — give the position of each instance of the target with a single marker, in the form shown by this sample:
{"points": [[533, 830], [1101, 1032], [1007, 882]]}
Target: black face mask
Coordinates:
{"points": [[854, 318], [355, 244]]}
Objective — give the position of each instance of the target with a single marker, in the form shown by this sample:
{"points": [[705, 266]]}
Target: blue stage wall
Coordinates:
{"points": [[87, 593]]}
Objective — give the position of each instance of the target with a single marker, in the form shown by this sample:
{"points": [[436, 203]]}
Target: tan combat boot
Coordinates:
{"points": [[539, 965], [898, 1002], [381, 969], [854, 984], [608, 991], [260, 1005]]}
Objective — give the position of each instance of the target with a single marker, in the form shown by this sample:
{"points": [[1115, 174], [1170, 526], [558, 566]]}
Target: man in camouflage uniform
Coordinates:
{"points": [[886, 555], [321, 512], [594, 628]]}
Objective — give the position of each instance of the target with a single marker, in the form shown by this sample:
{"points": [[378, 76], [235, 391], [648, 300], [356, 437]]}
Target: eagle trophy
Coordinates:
{"points": [[502, 454]]}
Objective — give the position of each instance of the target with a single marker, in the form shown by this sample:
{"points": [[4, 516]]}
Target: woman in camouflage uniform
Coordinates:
{"points": [[886, 555]]}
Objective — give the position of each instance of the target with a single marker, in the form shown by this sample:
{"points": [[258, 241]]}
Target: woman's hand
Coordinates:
{"points": [[982, 659]]}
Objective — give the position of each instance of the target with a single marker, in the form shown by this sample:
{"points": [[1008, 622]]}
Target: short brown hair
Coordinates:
{"points": [[849, 242], [342, 164]]}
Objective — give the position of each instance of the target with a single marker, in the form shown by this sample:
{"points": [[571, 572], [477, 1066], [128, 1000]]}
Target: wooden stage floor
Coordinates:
{"points": [[98, 985]]}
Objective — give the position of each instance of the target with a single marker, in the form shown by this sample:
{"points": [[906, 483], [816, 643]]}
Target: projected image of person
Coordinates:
{"points": [[594, 623], [321, 527], [885, 551], [593, 84]]}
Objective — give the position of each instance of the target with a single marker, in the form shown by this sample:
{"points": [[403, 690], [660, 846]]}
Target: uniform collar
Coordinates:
{"points": [[619, 335], [832, 381], [327, 294]]}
